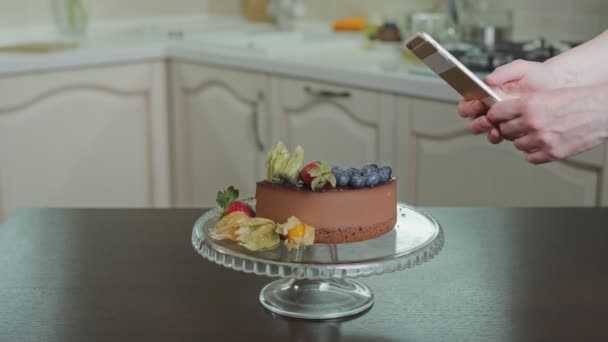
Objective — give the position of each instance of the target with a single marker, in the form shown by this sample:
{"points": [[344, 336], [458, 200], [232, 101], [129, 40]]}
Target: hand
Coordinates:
{"points": [[552, 125], [509, 81]]}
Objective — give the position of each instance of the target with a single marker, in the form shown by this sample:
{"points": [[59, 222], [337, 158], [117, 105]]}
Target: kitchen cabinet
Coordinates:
{"points": [[342, 125], [84, 138], [173, 133], [220, 132], [445, 165]]}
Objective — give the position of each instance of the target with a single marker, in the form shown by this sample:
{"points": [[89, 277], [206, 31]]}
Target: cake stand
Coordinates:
{"points": [[316, 281]]}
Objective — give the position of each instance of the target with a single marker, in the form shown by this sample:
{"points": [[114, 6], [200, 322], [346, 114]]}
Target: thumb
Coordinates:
{"points": [[513, 71]]}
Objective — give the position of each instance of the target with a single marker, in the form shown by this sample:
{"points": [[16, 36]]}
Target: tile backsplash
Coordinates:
{"points": [[572, 20]]}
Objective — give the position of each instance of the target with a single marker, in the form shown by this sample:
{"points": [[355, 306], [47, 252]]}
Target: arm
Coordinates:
{"points": [[583, 65]]}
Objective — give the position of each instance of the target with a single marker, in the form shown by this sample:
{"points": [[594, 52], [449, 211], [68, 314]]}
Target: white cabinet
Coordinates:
{"points": [[341, 125], [446, 165], [84, 138], [220, 128], [119, 136]]}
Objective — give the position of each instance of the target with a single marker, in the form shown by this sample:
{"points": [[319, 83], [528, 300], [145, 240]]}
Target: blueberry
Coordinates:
{"points": [[336, 169], [373, 167], [384, 175], [353, 171], [357, 181], [372, 179], [388, 170], [366, 170], [342, 179]]}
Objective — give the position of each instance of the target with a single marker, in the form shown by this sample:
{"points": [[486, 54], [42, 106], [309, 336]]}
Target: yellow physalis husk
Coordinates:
{"points": [[257, 234], [226, 227], [279, 151], [290, 171], [281, 166], [299, 241]]}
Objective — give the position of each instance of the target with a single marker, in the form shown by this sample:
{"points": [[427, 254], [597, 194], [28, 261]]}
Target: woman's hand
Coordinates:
{"points": [[552, 125]]}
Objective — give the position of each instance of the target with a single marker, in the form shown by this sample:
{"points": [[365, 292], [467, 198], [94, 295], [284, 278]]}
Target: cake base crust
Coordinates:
{"points": [[354, 234]]}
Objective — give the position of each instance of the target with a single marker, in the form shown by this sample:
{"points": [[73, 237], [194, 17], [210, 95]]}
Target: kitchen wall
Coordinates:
{"points": [[554, 19], [39, 12]]}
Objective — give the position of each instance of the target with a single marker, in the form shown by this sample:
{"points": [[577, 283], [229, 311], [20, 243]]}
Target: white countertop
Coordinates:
{"points": [[312, 52]]}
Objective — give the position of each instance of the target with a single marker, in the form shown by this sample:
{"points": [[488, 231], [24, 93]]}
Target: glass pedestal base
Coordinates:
{"points": [[316, 299]]}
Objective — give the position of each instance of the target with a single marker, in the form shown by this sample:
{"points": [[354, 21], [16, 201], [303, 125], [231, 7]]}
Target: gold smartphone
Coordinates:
{"points": [[446, 66]]}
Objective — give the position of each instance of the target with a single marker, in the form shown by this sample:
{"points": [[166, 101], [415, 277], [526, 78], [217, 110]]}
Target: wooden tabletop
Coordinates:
{"points": [[132, 275]]}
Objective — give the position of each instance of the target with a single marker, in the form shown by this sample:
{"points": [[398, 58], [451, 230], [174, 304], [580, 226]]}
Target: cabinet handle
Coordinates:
{"points": [[326, 93], [256, 124]]}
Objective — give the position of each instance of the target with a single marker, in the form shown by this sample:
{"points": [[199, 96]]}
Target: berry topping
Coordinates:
{"points": [[227, 200], [318, 175], [353, 171], [336, 169], [342, 179], [239, 206], [372, 179], [388, 170], [385, 174], [372, 167], [357, 181]]}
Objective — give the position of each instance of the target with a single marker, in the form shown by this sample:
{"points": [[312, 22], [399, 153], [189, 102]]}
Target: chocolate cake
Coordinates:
{"points": [[339, 215]]}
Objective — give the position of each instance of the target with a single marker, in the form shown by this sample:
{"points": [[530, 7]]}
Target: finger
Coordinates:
{"points": [[528, 143], [495, 136], [480, 125], [505, 110], [513, 71], [512, 129], [471, 108], [538, 157]]}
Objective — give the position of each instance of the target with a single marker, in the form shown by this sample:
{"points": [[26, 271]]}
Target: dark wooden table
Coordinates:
{"points": [[132, 275]]}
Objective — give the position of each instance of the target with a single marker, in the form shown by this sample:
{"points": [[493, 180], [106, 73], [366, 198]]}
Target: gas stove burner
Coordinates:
{"points": [[481, 60]]}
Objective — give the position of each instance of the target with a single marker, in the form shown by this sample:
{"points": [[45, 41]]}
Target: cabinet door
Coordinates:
{"points": [[344, 126], [446, 165], [84, 138], [219, 126]]}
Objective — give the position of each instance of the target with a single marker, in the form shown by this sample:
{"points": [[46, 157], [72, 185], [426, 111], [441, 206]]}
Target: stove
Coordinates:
{"points": [[483, 60]]}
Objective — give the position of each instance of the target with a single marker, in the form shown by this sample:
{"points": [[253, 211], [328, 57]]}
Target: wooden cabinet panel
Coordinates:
{"points": [[344, 126], [89, 138], [448, 166], [219, 132]]}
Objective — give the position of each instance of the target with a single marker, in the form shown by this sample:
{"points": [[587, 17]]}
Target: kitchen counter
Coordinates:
{"points": [[132, 275], [312, 52]]}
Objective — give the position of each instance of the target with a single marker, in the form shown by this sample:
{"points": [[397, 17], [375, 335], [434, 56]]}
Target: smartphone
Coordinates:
{"points": [[446, 66]]}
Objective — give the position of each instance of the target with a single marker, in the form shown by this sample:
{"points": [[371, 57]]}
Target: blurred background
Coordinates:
{"points": [[150, 103], [553, 19]]}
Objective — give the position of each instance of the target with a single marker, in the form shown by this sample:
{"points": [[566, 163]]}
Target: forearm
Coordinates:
{"points": [[598, 104], [587, 64]]}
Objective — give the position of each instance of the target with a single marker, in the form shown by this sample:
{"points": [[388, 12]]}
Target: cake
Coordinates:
{"points": [[343, 205], [304, 205], [339, 215]]}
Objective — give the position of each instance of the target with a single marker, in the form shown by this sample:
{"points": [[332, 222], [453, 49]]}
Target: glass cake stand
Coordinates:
{"points": [[316, 281]]}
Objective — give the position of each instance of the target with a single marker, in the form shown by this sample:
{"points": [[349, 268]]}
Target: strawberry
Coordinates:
{"points": [[239, 206], [305, 173], [228, 203], [318, 175]]}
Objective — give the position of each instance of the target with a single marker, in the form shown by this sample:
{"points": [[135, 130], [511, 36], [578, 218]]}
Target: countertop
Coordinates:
{"points": [[311, 52], [132, 275]]}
